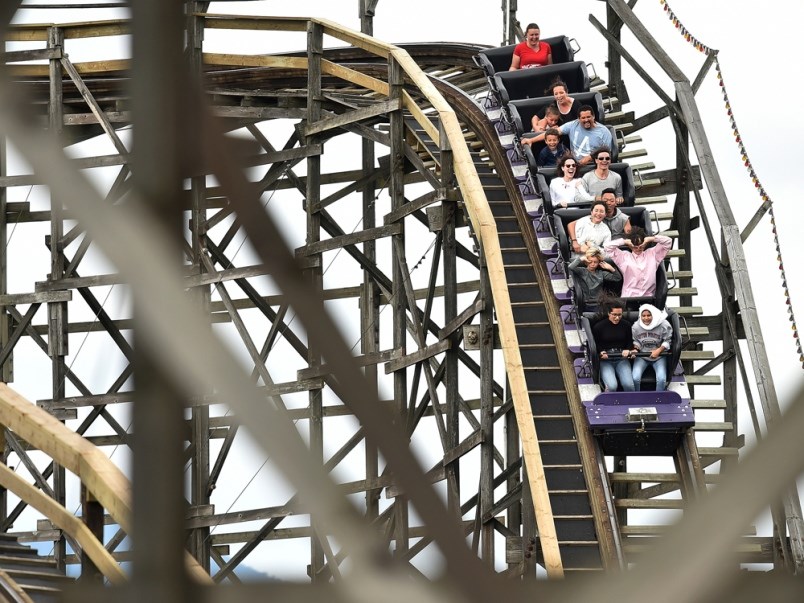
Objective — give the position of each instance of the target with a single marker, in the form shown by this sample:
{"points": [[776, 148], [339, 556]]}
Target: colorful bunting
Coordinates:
{"points": [[744, 156]]}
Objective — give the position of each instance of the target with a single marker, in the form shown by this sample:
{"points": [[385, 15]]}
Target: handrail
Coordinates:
{"points": [[99, 475], [65, 520]]}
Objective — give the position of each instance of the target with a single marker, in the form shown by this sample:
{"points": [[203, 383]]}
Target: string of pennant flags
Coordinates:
{"points": [[703, 48]]}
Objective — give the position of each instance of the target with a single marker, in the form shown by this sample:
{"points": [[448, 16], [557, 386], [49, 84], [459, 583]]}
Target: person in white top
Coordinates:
{"points": [[564, 187], [590, 231]]}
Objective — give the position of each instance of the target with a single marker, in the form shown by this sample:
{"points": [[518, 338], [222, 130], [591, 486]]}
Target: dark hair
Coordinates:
{"points": [[531, 26], [636, 236], [552, 132], [595, 204], [556, 82], [562, 160], [600, 150], [586, 108], [606, 302], [608, 190]]}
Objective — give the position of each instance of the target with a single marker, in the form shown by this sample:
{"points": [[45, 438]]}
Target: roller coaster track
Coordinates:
{"points": [[580, 505]]}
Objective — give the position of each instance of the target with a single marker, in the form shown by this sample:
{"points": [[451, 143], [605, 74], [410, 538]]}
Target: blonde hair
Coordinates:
{"points": [[594, 252]]}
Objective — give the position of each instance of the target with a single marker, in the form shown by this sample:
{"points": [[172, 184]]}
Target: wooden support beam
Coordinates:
{"points": [[417, 356], [14, 299], [410, 207], [333, 243], [343, 119], [468, 444], [755, 219]]}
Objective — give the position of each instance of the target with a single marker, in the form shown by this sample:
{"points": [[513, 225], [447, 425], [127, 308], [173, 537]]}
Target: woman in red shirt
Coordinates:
{"points": [[531, 52]]}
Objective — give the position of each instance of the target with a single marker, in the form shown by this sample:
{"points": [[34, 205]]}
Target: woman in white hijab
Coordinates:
{"points": [[652, 333]]}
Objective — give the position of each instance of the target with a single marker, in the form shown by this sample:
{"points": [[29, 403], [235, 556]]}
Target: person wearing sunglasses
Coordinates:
{"points": [[566, 182], [614, 342], [602, 178]]}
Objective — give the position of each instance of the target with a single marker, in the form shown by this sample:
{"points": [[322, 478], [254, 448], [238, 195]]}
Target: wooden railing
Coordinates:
{"points": [[101, 477]]}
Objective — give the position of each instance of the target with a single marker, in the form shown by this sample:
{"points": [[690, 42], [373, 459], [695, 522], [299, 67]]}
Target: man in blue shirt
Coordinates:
{"points": [[584, 133]]}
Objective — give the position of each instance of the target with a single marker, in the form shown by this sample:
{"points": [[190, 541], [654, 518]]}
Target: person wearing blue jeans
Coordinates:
{"points": [[614, 343], [651, 333]]}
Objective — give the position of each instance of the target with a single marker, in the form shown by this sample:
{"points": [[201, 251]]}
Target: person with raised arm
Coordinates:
{"points": [[639, 262], [585, 135]]}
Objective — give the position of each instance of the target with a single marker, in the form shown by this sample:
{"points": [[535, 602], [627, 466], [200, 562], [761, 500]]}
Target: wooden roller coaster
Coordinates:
{"points": [[434, 443]]}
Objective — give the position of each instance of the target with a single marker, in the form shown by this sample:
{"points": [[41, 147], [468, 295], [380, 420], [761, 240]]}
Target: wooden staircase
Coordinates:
{"points": [[25, 576]]}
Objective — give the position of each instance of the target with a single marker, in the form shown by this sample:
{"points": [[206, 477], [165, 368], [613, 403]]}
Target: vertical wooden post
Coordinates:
{"points": [[513, 454], [92, 514], [6, 372], [614, 63], [449, 246], [730, 342], [396, 190], [315, 42], [370, 293], [160, 116], [366, 9], [510, 23], [486, 415], [199, 543], [57, 340]]}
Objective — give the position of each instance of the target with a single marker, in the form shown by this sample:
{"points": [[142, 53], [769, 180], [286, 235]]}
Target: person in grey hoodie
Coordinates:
{"points": [[652, 333], [592, 271]]}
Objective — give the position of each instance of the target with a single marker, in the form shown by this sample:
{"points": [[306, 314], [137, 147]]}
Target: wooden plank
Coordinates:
{"points": [[697, 354], [369, 359], [337, 121], [198, 280], [461, 319], [258, 113], [470, 443], [38, 54], [14, 299], [412, 206], [252, 22], [417, 356], [100, 280], [333, 243], [252, 60], [87, 68], [85, 119], [82, 163], [708, 404], [648, 503], [91, 29], [351, 75], [755, 219], [703, 379]]}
